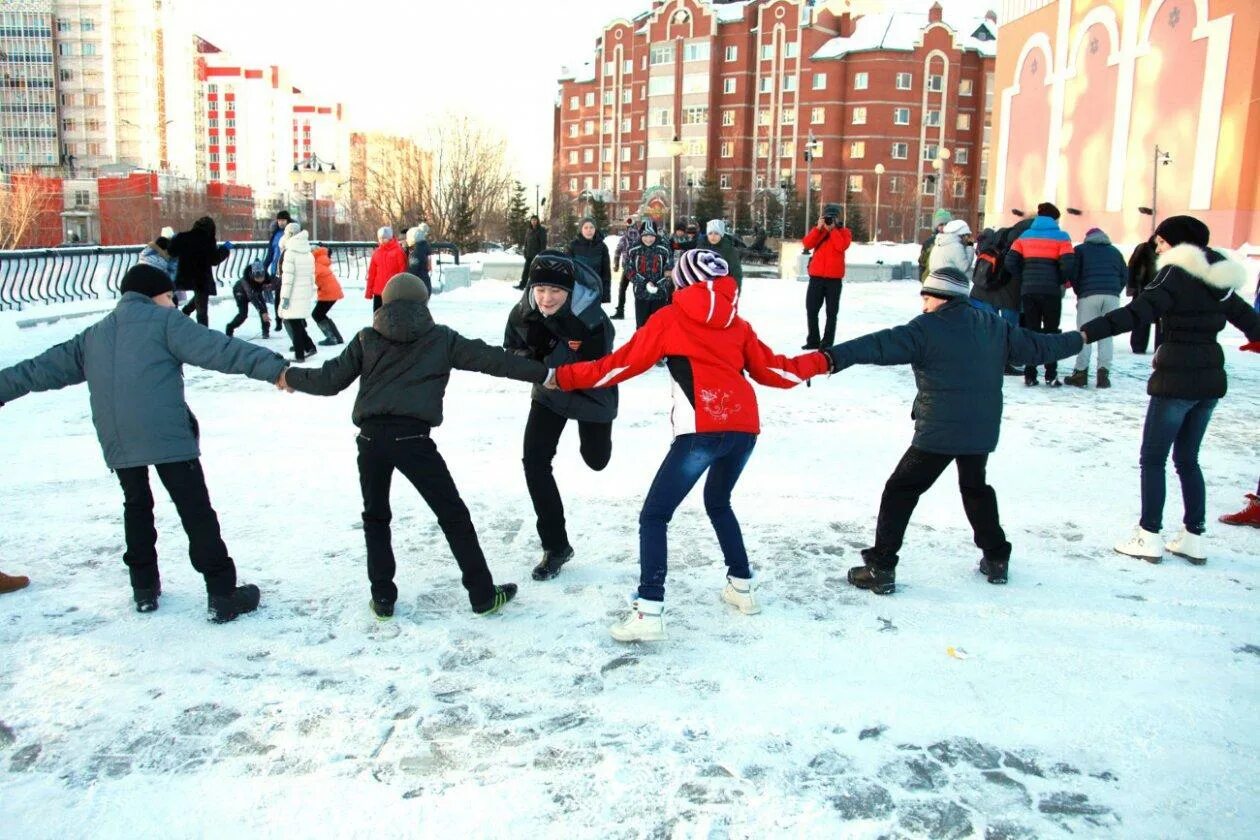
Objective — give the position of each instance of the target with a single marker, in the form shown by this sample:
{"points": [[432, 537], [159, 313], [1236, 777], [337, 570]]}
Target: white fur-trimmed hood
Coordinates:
{"points": [[1226, 274]]}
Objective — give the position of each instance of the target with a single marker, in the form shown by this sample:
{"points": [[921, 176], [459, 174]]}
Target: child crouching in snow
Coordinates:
{"points": [[708, 347], [403, 363]]}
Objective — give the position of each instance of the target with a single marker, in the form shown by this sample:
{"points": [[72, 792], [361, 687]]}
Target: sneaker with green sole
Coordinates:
{"points": [[502, 594]]}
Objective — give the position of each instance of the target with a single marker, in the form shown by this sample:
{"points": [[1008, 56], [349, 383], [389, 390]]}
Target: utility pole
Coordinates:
{"points": [[1164, 158]]}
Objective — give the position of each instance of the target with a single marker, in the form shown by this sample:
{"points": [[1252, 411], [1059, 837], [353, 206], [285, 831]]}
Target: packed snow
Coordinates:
{"points": [[1095, 695]]}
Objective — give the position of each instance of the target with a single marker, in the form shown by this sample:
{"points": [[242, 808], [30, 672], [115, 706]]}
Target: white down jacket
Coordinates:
{"points": [[297, 287], [949, 250]]}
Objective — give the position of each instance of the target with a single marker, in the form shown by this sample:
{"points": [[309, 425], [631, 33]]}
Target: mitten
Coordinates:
{"points": [[227, 244], [1251, 347]]}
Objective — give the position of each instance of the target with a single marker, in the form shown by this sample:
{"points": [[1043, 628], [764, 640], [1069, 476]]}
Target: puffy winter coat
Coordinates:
{"points": [[327, 288], [418, 261], [593, 254], [1141, 268], [272, 264], [828, 246], [251, 292], [729, 251], [156, 255], [708, 348], [1193, 295], [132, 361], [650, 264], [535, 242], [959, 355], [950, 249], [198, 255], [387, 260], [297, 285], [1042, 260], [1100, 268], [403, 363], [580, 331], [628, 240]]}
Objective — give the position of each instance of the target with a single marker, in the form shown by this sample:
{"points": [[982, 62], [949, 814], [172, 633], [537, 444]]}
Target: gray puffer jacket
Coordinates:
{"points": [[403, 362], [132, 361]]}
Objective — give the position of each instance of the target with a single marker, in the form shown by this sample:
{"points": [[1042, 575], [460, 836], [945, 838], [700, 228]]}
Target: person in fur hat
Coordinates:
{"points": [[1194, 294]]}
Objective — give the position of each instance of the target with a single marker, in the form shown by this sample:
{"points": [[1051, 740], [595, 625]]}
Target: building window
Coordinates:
{"points": [[933, 117], [627, 67], [901, 116], [625, 154], [625, 183], [936, 83], [65, 48], [698, 115], [763, 149], [894, 183], [861, 81], [573, 185], [817, 115], [929, 185], [818, 149], [588, 127], [930, 151], [859, 116], [767, 52], [661, 117], [820, 81], [608, 97], [642, 151], [964, 122], [988, 91], [787, 149], [791, 49], [588, 182], [787, 117], [608, 124], [588, 156], [815, 183], [732, 54], [728, 84], [763, 116], [696, 83], [961, 157], [607, 156], [697, 147], [728, 117], [855, 183], [724, 182], [660, 86], [904, 81], [573, 129], [960, 189], [65, 75], [590, 98], [900, 151], [767, 84], [965, 87], [789, 83], [573, 157], [696, 51], [608, 68], [663, 54], [728, 149], [626, 95], [857, 149], [984, 187]]}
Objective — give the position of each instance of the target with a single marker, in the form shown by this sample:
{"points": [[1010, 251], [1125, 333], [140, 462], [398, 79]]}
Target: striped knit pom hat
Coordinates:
{"points": [[698, 266]]}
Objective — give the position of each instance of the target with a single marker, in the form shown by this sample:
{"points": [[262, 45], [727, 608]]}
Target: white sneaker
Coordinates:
{"points": [[739, 593], [644, 624], [1189, 546], [1144, 544]]}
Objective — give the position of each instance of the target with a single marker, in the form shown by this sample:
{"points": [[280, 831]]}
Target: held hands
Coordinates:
{"points": [[550, 382], [282, 383], [227, 243], [1251, 347]]}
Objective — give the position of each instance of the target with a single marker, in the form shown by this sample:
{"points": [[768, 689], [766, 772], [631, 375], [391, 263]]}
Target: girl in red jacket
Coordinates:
{"points": [[387, 260], [707, 347]]}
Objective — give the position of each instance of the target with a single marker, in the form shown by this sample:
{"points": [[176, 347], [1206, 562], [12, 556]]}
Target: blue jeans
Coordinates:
{"points": [[1011, 316], [724, 455], [1178, 425]]}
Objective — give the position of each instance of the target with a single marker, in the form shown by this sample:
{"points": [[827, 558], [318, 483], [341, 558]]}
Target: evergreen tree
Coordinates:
{"points": [[568, 228], [599, 212], [710, 204], [463, 230], [857, 223], [796, 221], [518, 214]]}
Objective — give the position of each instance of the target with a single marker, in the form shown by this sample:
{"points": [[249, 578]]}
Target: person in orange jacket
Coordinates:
{"points": [[387, 260], [327, 292], [828, 240]]}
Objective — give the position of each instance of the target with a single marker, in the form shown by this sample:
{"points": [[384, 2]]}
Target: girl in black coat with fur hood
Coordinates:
{"points": [[198, 254]]}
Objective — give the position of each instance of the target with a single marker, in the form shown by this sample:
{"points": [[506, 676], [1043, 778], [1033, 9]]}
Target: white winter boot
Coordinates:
{"points": [[644, 624], [1144, 544], [739, 593], [1189, 546]]}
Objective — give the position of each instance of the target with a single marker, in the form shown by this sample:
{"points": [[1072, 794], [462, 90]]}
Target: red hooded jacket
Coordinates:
{"points": [[828, 247], [387, 260], [708, 347]]}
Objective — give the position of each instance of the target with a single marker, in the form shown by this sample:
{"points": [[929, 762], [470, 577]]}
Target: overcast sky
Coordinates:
{"points": [[396, 65]]}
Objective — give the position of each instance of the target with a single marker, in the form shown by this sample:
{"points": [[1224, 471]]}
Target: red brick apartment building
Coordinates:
{"points": [[736, 90]]}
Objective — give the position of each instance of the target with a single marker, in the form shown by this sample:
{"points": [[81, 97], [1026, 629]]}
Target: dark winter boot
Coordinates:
{"points": [[1054, 382], [383, 610], [1104, 378], [875, 575], [551, 563], [1012, 370], [331, 336], [994, 568], [228, 330], [225, 608], [147, 599], [1080, 378], [502, 594], [1030, 381], [619, 315]]}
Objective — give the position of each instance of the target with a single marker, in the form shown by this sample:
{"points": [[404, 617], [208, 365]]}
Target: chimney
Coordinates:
{"points": [[846, 25], [934, 13], [991, 16]]}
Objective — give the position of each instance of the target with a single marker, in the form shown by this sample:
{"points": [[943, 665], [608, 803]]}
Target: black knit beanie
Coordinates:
{"points": [[146, 280], [1176, 230]]}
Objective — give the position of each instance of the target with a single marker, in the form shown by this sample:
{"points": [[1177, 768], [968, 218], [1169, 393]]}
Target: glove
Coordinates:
{"points": [[1251, 347], [284, 304], [550, 382], [651, 288], [228, 244]]}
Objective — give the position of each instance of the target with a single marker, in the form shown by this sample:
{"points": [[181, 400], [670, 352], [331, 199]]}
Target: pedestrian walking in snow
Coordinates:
{"points": [[959, 354], [724, 245], [1194, 294], [1042, 262], [387, 261], [198, 255], [132, 361], [12, 583], [420, 254], [272, 262], [297, 289], [1098, 278], [403, 363], [559, 321], [648, 265], [952, 248], [327, 293], [939, 219], [251, 290], [535, 244], [828, 241], [1141, 274], [627, 241], [590, 250], [708, 347]]}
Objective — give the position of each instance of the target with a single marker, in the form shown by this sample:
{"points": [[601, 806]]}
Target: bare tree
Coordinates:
{"points": [[395, 184], [469, 176], [24, 200]]}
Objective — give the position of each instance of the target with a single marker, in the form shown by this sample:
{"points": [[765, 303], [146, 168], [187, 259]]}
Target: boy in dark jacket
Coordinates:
{"points": [[1098, 278], [1042, 262], [403, 363], [559, 321], [959, 355], [251, 290], [132, 361], [627, 241], [1141, 273], [648, 265]]}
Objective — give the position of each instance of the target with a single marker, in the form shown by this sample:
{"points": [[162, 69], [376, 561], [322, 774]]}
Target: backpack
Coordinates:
{"points": [[990, 254]]}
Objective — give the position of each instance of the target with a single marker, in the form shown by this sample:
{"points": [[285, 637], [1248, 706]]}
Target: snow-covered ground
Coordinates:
{"points": [[1099, 696]]}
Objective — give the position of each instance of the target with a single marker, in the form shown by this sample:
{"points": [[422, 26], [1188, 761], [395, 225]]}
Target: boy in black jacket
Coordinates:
{"points": [[251, 289], [403, 362]]}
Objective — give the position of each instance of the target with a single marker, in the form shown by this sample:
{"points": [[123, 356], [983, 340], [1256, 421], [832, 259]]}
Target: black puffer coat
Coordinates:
{"points": [[593, 254], [1193, 295], [198, 255]]}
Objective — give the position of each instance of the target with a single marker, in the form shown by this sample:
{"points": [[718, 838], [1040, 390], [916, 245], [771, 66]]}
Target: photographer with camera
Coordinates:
{"points": [[828, 241]]}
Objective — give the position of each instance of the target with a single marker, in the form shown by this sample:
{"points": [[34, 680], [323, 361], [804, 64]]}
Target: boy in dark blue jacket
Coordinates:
{"points": [[959, 356]]}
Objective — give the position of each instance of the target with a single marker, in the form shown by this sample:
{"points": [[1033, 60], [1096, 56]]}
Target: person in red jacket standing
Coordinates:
{"points": [[708, 347], [828, 241], [387, 260]]}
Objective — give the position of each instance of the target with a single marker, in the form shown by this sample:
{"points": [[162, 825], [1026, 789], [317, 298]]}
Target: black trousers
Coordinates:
{"points": [[377, 303], [302, 344], [201, 304], [1042, 314], [621, 292], [242, 313], [644, 309], [822, 292], [1140, 337], [401, 444], [542, 435], [186, 484], [915, 474]]}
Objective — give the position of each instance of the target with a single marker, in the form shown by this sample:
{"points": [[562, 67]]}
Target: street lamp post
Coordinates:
{"points": [[941, 164], [691, 182], [1164, 158], [675, 149], [783, 188], [810, 145], [311, 171], [879, 177]]}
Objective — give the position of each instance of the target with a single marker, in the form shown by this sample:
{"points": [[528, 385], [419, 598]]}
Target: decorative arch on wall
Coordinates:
{"points": [[1038, 44], [1090, 98]]}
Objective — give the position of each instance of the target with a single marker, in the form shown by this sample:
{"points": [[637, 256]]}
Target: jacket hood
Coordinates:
{"points": [[322, 258], [585, 293], [403, 321], [299, 243], [390, 245], [1098, 238], [714, 303], [1209, 265], [1041, 223]]}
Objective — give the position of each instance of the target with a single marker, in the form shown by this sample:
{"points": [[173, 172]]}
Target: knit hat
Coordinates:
{"points": [[1045, 208], [698, 266], [649, 229], [957, 227], [946, 283], [292, 228], [384, 232], [405, 287], [168, 232], [146, 280], [552, 268], [831, 209], [257, 269], [1092, 231], [716, 226], [940, 217], [1176, 230]]}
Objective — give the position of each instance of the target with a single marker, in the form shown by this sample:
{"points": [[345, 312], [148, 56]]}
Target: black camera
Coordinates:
{"points": [[829, 221]]}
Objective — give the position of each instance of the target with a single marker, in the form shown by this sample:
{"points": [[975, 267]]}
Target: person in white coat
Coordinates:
{"points": [[297, 288], [953, 248]]}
